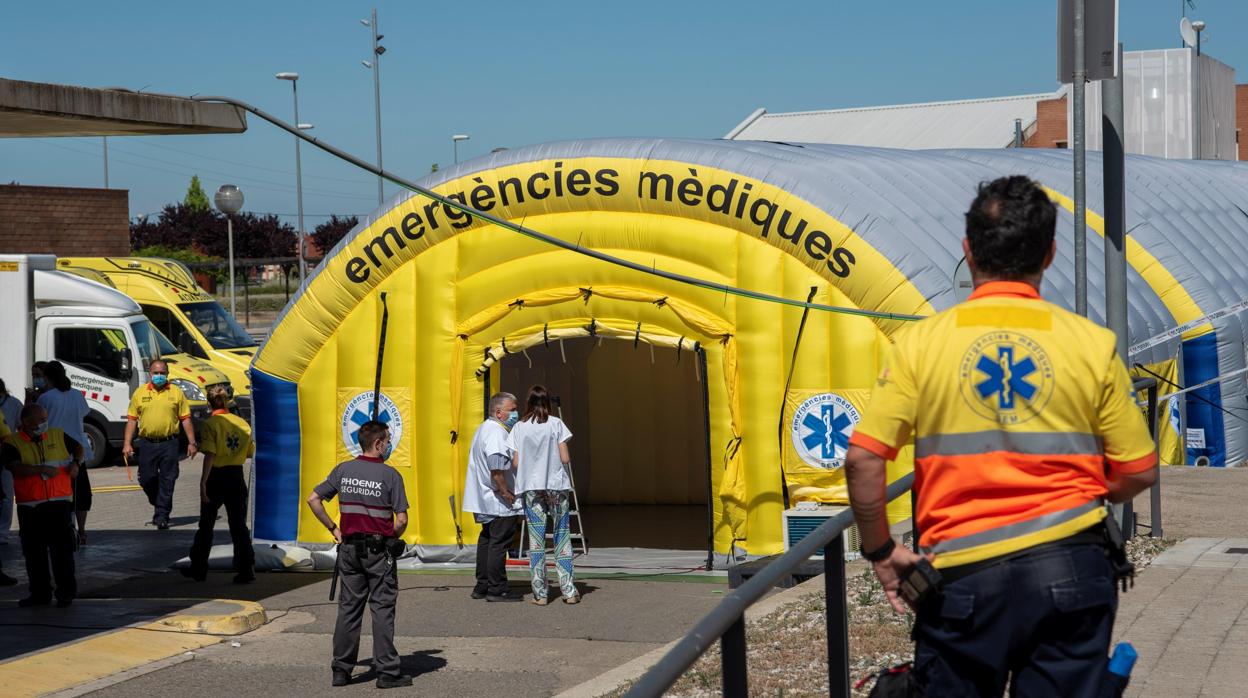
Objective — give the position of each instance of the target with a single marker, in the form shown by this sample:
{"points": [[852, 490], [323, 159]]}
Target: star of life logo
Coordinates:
{"points": [[359, 410], [1006, 377], [821, 428]]}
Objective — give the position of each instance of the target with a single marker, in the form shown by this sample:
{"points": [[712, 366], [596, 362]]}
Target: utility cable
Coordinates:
{"points": [[531, 233], [1198, 396]]}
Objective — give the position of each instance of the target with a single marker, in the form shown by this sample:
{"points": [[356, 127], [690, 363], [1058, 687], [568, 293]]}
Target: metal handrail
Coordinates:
{"points": [[727, 620]]}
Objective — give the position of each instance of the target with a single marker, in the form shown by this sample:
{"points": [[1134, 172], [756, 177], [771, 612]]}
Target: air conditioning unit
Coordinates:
{"points": [[805, 517]]}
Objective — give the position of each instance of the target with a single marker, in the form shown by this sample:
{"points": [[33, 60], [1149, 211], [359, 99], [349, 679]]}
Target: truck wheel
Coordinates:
{"points": [[98, 443]]}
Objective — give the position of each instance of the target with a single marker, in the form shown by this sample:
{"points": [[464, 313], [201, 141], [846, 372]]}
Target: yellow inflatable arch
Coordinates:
{"points": [[692, 409]]}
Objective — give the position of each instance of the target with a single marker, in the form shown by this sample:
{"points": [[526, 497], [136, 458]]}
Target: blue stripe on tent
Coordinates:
{"points": [[1200, 363], [276, 405]]}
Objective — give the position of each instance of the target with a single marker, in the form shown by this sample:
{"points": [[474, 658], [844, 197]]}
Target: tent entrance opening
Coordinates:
{"points": [[639, 448]]}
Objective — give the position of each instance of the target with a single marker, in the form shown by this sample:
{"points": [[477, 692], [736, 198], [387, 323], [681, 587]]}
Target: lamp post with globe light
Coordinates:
{"points": [[229, 200]]}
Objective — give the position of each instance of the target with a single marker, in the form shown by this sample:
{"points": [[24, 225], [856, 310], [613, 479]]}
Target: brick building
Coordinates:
{"points": [[64, 221]]}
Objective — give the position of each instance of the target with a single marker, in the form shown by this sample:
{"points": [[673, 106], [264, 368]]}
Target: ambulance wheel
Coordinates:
{"points": [[98, 443]]}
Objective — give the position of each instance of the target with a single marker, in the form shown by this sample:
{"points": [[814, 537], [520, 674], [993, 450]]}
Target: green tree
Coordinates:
{"points": [[434, 168], [196, 199]]}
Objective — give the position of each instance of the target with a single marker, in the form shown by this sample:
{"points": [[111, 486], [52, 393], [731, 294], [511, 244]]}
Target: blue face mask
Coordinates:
{"points": [[512, 418], [159, 380], [41, 429], [40, 382]]}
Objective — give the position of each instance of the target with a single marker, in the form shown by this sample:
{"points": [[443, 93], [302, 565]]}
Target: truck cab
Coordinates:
{"points": [[173, 302], [100, 335]]}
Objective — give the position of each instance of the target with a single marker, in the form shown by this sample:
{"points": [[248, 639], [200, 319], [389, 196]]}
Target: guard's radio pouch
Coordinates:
{"points": [[396, 547], [1124, 570]]}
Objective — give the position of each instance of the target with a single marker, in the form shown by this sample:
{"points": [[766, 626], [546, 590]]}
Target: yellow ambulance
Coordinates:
{"points": [[189, 316]]}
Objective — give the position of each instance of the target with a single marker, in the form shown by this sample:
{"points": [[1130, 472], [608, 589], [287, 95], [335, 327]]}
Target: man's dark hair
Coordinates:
{"points": [[1010, 227], [370, 432]]}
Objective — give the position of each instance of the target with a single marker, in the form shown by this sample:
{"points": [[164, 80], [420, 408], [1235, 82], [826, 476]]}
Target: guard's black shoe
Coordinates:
{"points": [[478, 595], [30, 601], [198, 575], [341, 678], [65, 602], [503, 597], [393, 681], [244, 577], [163, 524], [7, 581]]}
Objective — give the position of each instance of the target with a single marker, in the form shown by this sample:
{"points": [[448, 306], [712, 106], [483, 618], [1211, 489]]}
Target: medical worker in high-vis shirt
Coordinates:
{"points": [[1024, 424]]}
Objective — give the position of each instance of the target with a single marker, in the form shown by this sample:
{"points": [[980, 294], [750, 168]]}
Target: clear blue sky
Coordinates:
{"points": [[513, 74]]}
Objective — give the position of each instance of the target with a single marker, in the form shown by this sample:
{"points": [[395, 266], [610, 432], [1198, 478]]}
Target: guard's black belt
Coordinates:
{"points": [[1090, 536], [157, 439]]}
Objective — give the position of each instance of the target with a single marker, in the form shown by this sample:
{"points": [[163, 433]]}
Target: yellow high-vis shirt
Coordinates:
{"points": [[227, 437], [1018, 410], [159, 412]]}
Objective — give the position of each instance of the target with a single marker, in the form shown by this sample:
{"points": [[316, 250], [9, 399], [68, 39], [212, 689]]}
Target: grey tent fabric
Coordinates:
{"points": [[910, 205]]}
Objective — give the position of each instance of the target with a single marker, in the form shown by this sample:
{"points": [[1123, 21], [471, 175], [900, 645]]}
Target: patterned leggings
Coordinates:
{"points": [[537, 506]]}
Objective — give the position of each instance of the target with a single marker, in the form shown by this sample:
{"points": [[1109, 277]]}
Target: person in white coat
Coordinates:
{"points": [[488, 494], [540, 440]]}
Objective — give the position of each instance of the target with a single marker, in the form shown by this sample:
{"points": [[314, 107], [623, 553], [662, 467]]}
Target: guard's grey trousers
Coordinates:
{"points": [[372, 579]]}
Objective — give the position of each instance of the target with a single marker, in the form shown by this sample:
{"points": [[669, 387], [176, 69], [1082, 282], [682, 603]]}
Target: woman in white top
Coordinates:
{"points": [[540, 443], [67, 408]]}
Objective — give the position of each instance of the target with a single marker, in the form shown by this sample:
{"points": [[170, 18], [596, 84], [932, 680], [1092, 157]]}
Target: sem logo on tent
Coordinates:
{"points": [[821, 428], [359, 410]]}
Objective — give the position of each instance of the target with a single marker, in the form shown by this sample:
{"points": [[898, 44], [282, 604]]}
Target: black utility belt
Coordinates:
{"points": [[157, 439], [366, 537], [375, 544], [1091, 536]]}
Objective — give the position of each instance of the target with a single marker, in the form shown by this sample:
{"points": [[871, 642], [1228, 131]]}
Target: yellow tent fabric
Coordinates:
{"points": [[457, 289]]}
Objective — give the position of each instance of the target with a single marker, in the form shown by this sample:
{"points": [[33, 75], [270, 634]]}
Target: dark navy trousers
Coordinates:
{"points": [[1042, 620]]}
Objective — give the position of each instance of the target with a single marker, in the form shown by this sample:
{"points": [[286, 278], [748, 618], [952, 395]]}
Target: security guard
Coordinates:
{"points": [[1024, 424], [225, 441], [156, 409], [373, 514], [44, 463]]}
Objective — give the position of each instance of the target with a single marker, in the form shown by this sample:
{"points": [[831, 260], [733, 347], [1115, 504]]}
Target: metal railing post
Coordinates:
{"points": [[1154, 494], [732, 657], [837, 617]]}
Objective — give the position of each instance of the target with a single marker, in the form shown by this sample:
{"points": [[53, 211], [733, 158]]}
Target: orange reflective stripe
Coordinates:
{"points": [[873, 445]]}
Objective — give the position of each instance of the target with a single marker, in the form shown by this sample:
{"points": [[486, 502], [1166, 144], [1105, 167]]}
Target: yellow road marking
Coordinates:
{"points": [[99, 656], [116, 488]]}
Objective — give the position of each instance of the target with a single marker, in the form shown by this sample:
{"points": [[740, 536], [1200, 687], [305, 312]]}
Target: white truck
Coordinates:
{"points": [[98, 333]]}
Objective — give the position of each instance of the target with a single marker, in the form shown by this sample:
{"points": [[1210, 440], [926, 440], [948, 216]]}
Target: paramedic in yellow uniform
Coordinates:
{"points": [[225, 440], [1024, 425], [156, 410]]}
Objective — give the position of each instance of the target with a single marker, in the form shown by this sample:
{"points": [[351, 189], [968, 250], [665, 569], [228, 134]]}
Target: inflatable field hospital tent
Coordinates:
{"points": [[694, 410]]}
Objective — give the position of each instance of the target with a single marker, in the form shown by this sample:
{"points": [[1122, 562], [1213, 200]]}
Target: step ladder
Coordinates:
{"points": [[575, 525]]}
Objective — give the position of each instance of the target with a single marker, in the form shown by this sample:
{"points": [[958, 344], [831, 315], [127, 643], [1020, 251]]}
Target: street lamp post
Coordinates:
{"points": [[455, 143], [294, 88], [375, 66], [229, 200]]}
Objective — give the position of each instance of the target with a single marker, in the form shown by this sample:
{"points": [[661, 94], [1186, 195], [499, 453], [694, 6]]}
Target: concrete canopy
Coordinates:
{"points": [[38, 110]]}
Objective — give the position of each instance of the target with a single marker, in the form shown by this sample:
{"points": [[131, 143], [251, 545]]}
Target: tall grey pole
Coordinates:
{"points": [[455, 144], [1081, 227], [1196, 103], [377, 105], [229, 236], [1113, 163], [106, 162], [1018, 133], [303, 267]]}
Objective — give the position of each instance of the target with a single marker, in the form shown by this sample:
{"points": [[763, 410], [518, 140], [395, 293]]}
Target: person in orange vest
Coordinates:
{"points": [[1024, 425], [44, 463]]}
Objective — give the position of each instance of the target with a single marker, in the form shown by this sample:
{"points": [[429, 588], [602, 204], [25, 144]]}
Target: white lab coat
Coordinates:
{"points": [[540, 467], [480, 496]]}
